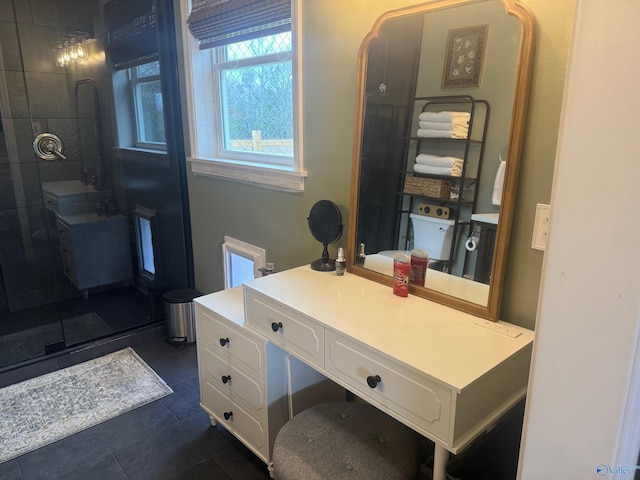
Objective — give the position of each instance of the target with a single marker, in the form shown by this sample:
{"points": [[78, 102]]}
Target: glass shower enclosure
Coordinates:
{"points": [[65, 247]]}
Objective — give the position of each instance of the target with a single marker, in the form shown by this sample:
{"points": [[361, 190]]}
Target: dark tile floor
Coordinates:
{"points": [[170, 438]]}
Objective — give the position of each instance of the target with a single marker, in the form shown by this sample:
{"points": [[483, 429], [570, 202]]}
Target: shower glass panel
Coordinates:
{"points": [[65, 256]]}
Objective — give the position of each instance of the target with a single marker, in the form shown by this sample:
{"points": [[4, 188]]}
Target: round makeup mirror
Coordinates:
{"points": [[325, 224]]}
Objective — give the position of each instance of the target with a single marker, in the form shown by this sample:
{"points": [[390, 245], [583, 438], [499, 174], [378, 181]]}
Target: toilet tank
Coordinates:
{"points": [[433, 235]]}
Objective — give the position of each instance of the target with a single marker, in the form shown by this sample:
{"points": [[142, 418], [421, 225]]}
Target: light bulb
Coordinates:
{"points": [[71, 49]]}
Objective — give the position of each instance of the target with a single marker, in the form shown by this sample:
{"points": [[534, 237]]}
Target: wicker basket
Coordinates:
{"points": [[429, 187]]}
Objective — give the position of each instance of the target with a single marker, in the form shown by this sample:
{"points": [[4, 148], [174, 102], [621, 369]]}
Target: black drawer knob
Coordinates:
{"points": [[226, 378], [373, 380], [227, 415], [276, 326], [224, 341]]}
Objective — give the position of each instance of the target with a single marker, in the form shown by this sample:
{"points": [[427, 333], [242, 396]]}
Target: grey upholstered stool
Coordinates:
{"points": [[345, 440]]}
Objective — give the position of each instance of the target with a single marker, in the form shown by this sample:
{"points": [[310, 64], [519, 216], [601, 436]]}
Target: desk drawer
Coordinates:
{"points": [[229, 343], [399, 388], [286, 327], [247, 428], [233, 382]]}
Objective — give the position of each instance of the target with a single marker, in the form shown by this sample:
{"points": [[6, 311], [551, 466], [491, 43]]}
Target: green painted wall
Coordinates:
{"points": [[497, 84], [276, 221]]}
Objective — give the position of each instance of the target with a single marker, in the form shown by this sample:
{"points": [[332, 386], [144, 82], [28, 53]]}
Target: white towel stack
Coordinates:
{"points": [[443, 124], [436, 165]]}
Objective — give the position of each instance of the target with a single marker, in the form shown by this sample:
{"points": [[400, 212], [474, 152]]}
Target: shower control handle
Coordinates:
{"points": [[48, 147]]}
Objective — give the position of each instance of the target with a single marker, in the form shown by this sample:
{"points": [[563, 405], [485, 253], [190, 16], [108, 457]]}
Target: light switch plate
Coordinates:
{"points": [[541, 227]]}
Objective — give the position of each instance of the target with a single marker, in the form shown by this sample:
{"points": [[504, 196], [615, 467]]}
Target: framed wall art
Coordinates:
{"points": [[464, 56]]}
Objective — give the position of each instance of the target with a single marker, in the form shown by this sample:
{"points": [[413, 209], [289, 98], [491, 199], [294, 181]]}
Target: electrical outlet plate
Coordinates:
{"points": [[541, 227], [501, 329]]}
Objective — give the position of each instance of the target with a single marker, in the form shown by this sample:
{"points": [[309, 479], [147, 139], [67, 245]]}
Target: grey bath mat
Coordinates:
{"points": [[42, 410]]}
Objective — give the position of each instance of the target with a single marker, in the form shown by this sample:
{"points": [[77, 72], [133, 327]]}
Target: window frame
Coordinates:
{"points": [[144, 213], [223, 65], [204, 155], [234, 247], [128, 146], [136, 106]]}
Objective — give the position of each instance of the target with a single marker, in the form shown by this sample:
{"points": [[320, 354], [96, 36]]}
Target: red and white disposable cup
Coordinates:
{"points": [[401, 268]]}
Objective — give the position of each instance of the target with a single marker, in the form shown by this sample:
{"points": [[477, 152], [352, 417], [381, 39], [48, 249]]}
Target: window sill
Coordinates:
{"points": [[280, 178]]}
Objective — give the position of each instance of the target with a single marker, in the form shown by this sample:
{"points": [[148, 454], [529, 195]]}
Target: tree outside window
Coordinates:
{"points": [[148, 106], [256, 96]]}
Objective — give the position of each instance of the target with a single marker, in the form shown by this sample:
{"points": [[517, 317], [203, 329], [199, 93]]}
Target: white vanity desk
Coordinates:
{"points": [[429, 366]]}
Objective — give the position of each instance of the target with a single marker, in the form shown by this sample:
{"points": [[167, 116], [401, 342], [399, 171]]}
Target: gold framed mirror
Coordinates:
{"points": [[466, 63]]}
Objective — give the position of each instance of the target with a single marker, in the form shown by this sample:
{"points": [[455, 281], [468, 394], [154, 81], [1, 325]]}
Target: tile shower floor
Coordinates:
{"points": [[23, 334], [170, 438]]}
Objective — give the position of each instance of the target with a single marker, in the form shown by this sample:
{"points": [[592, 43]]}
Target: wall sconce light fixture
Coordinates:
{"points": [[72, 49]]}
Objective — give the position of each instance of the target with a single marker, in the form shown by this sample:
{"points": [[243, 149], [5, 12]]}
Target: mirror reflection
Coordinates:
{"points": [[90, 133], [436, 126]]}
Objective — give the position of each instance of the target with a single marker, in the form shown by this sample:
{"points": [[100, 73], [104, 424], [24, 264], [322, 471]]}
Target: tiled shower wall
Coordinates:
{"points": [[36, 95]]}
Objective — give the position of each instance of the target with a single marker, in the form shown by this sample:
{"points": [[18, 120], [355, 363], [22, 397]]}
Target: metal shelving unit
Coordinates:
{"points": [[470, 150]]}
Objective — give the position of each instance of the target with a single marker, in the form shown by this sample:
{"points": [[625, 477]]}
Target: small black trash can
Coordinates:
{"points": [[179, 315]]}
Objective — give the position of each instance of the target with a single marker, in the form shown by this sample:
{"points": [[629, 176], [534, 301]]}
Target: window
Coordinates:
{"points": [[254, 88], [139, 107], [242, 261], [245, 109], [146, 94], [133, 53], [145, 229]]}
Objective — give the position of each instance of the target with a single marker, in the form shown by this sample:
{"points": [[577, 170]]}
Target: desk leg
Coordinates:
{"points": [[440, 458]]}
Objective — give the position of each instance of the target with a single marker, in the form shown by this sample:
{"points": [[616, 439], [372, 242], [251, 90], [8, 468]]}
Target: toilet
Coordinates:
{"points": [[433, 235]]}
